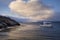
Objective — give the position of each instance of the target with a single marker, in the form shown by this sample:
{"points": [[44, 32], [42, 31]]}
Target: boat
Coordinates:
{"points": [[46, 24]]}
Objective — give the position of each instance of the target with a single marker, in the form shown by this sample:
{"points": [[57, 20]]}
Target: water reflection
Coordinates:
{"points": [[25, 31], [33, 32]]}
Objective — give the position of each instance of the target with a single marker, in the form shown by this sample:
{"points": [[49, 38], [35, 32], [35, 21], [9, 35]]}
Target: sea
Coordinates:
{"points": [[32, 31]]}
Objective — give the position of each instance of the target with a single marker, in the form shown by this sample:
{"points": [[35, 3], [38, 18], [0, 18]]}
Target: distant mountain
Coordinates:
{"points": [[55, 17], [23, 20]]}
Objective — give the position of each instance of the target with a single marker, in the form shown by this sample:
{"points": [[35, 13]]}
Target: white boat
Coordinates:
{"points": [[46, 24]]}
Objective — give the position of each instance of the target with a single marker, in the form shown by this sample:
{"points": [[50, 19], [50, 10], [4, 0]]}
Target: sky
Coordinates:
{"points": [[53, 4]]}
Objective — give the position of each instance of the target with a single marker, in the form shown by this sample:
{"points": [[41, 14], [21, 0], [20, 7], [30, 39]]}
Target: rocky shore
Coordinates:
{"points": [[6, 22]]}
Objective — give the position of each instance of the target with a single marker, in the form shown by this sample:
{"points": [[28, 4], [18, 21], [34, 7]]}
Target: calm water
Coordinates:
{"points": [[32, 32]]}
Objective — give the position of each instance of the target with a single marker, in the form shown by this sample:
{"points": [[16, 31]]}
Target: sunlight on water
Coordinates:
{"points": [[24, 30], [32, 32]]}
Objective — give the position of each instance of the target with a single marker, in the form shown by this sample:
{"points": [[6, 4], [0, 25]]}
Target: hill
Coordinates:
{"points": [[6, 22]]}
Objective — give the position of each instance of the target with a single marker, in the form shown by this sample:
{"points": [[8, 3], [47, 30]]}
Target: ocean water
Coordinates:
{"points": [[32, 32]]}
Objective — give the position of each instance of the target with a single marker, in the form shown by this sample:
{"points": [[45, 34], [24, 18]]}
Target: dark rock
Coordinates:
{"points": [[6, 22]]}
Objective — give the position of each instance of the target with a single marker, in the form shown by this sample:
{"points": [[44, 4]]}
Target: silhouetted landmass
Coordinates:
{"points": [[7, 22], [41, 22]]}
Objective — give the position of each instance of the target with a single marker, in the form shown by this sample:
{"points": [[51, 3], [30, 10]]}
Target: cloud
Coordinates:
{"points": [[33, 9]]}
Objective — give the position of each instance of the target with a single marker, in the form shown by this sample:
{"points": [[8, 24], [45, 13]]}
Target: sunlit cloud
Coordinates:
{"points": [[33, 9]]}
